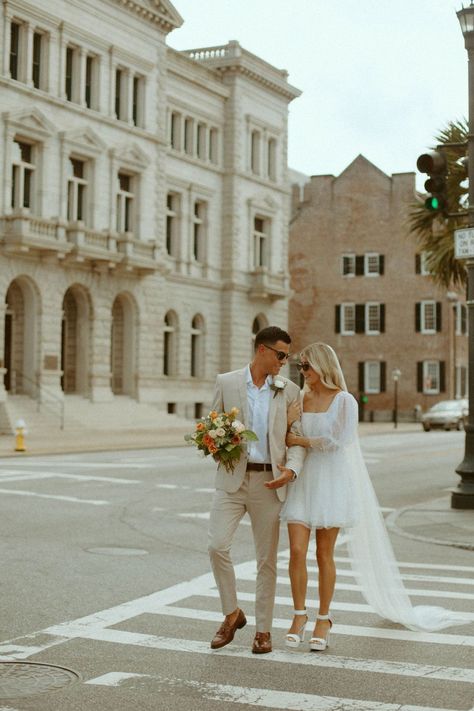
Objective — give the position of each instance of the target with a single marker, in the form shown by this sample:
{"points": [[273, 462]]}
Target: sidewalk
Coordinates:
{"points": [[432, 521]]}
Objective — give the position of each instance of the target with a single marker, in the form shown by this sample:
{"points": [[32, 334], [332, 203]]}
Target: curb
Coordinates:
{"points": [[391, 524]]}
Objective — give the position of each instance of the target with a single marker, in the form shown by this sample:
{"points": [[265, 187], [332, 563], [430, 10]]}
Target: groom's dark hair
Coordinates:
{"points": [[270, 335]]}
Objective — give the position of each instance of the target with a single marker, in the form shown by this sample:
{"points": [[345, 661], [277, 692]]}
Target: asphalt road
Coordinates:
{"points": [[105, 573]]}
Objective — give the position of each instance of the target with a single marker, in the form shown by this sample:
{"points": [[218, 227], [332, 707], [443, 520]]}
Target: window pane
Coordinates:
{"points": [[118, 93], [77, 168], [348, 317], [37, 39], [27, 187], [429, 316], [80, 201], [124, 182], [15, 170], [128, 214], [69, 63], [373, 264], [259, 224], [348, 264], [89, 66], [373, 317], [14, 47], [136, 89]]}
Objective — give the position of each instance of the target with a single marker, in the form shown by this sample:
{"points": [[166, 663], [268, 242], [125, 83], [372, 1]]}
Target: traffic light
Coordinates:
{"points": [[434, 164]]}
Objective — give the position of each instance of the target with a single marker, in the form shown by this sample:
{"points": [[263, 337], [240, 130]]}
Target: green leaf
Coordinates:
{"points": [[249, 436]]}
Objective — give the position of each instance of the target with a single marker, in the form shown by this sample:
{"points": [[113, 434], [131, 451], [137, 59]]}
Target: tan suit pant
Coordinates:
{"points": [[227, 510]]}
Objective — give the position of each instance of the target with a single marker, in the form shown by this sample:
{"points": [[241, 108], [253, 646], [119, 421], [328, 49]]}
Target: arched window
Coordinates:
{"points": [[197, 347], [259, 322], [169, 343]]}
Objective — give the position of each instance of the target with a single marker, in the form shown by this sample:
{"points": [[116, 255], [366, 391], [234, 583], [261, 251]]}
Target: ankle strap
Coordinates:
{"points": [[299, 612], [322, 617]]}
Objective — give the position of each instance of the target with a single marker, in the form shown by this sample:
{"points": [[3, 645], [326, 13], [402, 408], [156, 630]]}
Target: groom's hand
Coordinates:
{"points": [[284, 478]]}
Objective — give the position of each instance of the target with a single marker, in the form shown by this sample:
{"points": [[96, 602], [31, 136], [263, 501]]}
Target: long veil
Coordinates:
{"points": [[375, 566]]}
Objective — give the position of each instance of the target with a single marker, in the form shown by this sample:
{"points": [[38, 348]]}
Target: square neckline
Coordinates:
{"points": [[322, 412]]}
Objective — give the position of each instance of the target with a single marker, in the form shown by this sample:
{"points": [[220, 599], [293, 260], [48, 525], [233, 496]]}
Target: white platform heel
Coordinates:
{"points": [[319, 644], [294, 639]]}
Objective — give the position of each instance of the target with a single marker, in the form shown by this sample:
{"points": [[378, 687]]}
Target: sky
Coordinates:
{"points": [[379, 77]]}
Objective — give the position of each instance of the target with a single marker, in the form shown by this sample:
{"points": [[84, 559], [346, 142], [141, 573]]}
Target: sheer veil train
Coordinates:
{"points": [[375, 566]]}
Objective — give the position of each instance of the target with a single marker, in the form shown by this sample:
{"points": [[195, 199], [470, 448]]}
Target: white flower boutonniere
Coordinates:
{"points": [[278, 385]]}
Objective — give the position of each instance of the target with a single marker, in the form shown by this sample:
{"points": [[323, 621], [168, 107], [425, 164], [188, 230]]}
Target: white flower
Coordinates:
{"points": [[218, 423], [279, 383], [220, 432], [238, 426], [213, 434]]}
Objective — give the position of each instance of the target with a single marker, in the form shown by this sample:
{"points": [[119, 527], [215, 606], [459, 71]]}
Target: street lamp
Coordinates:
{"points": [[453, 302], [463, 496], [396, 372]]}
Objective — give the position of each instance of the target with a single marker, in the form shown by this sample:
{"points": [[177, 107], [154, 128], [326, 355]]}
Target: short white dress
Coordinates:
{"points": [[323, 495]]}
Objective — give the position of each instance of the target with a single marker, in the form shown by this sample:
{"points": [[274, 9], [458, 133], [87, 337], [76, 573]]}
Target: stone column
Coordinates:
{"points": [[3, 370], [99, 373]]}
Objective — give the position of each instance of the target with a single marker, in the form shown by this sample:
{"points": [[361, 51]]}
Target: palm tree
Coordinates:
{"points": [[434, 230]]}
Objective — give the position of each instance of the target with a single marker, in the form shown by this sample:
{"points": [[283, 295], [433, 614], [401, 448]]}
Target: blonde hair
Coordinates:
{"points": [[325, 362]]}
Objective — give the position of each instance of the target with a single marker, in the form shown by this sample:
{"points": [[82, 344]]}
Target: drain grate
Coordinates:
{"points": [[18, 679]]}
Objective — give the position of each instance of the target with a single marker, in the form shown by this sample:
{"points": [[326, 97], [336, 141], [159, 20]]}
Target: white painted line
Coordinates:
{"points": [[206, 515], [418, 592], [113, 678], [184, 487], [343, 572], [314, 604], [72, 499], [350, 630], [289, 700], [420, 566], [17, 474], [375, 666]]}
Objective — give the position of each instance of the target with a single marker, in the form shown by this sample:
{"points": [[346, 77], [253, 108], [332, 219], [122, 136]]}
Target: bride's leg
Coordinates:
{"points": [[325, 542], [299, 541]]}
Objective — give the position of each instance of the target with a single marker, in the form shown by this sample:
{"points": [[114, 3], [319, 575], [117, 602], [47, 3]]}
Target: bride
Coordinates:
{"points": [[334, 491]]}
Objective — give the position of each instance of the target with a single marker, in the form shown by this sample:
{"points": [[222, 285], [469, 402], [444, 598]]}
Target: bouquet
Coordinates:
{"points": [[222, 436]]}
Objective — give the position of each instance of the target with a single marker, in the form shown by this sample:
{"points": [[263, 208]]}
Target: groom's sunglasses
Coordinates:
{"points": [[303, 366], [281, 355]]}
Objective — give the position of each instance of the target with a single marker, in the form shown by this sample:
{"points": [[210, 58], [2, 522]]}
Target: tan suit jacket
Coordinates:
{"points": [[231, 391]]}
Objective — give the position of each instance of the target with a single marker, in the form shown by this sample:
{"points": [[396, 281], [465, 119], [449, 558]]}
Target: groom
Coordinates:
{"points": [[257, 484]]}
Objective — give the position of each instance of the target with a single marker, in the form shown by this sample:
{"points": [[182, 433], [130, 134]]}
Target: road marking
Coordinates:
{"points": [[421, 566], [275, 699], [376, 666], [205, 516], [18, 475], [56, 497], [114, 678], [185, 487], [314, 604], [344, 572]]}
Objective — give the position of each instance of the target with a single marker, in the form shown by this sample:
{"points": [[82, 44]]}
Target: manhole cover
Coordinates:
{"points": [[110, 550], [18, 679]]}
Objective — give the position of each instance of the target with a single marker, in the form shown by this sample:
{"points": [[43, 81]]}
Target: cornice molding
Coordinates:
{"points": [[160, 12]]}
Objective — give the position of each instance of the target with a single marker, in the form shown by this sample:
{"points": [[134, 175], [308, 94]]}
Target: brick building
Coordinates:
{"points": [[360, 285], [144, 205]]}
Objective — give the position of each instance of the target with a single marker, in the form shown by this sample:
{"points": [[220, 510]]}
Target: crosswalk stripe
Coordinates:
{"points": [[73, 499], [18, 475], [276, 699], [376, 666], [342, 572], [420, 566], [314, 604], [416, 592], [350, 630]]}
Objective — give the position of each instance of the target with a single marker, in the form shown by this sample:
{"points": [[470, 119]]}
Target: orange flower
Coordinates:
{"points": [[235, 439], [207, 440], [213, 414], [200, 426], [212, 448]]}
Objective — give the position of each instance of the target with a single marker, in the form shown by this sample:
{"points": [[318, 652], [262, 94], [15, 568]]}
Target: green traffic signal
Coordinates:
{"points": [[432, 203]]}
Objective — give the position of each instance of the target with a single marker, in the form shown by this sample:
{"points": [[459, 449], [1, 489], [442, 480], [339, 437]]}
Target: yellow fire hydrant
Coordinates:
{"points": [[20, 429]]}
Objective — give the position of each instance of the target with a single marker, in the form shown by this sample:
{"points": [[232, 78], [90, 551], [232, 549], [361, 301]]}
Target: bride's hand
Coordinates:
{"points": [[293, 413], [293, 439]]}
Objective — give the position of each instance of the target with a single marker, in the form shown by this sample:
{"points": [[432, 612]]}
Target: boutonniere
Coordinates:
{"points": [[277, 386]]}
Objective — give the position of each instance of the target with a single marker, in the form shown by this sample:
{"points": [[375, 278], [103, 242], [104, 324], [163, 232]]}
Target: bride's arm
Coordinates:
{"points": [[293, 439]]}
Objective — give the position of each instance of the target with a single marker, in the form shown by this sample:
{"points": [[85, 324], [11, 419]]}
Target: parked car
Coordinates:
{"points": [[448, 414]]}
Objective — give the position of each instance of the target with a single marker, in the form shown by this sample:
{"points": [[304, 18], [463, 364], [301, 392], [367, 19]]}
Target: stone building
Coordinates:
{"points": [[360, 285], [144, 205]]}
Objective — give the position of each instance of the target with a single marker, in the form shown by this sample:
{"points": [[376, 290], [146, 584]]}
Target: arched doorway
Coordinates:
{"points": [[20, 337], [122, 350], [75, 341]]}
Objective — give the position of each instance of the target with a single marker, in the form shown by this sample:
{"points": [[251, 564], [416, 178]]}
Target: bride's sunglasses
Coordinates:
{"points": [[303, 366]]}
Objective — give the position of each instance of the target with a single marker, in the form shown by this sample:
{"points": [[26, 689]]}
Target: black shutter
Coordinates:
{"points": [[442, 376], [383, 376], [418, 318], [463, 319], [382, 318], [361, 378], [417, 263], [419, 376], [381, 263], [360, 318], [438, 315], [338, 318], [360, 265]]}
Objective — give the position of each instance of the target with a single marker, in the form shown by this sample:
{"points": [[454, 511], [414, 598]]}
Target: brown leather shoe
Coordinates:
{"points": [[226, 631], [262, 643]]}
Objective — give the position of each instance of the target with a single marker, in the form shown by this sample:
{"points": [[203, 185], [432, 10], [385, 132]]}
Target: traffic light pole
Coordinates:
{"points": [[463, 496]]}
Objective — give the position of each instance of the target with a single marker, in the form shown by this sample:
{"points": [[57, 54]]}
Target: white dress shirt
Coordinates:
{"points": [[259, 408]]}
